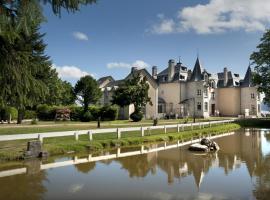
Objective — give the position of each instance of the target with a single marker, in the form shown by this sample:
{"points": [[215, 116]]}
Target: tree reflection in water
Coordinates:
{"points": [[28, 186]]}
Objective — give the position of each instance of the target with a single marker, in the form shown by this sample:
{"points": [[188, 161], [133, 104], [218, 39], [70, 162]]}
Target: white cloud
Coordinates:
{"points": [[75, 188], [218, 16], [138, 63], [164, 25], [70, 72], [80, 36]]}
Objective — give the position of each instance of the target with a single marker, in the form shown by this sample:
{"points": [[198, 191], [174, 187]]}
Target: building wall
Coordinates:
{"points": [[247, 102], [229, 101], [192, 93], [170, 92], [151, 110]]}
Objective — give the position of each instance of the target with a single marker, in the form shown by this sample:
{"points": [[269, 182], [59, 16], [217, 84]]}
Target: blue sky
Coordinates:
{"points": [[111, 36]]}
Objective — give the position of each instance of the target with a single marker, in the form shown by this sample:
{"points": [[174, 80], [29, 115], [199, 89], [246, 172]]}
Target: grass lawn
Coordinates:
{"points": [[51, 126], [13, 150]]}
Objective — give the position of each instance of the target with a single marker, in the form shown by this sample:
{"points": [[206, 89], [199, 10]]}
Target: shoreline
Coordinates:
{"points": [[66, 145]]}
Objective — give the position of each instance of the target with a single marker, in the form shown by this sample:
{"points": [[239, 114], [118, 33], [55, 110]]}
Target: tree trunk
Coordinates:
{"points": [[20, 116]]}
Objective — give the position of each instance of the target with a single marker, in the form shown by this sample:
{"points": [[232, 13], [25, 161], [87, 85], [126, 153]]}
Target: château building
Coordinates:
{"points": [[178, 92]]}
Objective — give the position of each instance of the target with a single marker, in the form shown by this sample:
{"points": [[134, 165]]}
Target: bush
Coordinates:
{"points": [[75, 113], [108, 113], [95, 112], [7, 111], [86, 117], [30, 114], [136, 116], [45, 112]]}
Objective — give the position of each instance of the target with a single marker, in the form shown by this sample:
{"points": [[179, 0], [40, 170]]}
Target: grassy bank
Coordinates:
{"points": [[51, 126], [14, 149], [255, 123]]}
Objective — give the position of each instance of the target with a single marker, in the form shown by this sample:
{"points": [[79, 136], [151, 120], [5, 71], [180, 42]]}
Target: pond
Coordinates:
{"points": [[240, 170]]}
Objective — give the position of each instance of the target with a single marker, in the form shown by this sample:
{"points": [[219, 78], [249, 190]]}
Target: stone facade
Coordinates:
{"points": [[108, 85], [179, 92]]}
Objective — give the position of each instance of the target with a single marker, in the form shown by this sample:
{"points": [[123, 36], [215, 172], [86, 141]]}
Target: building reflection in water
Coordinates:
{"points": [[243, 149]]}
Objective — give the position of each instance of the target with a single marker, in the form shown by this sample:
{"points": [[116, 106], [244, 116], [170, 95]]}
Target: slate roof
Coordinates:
{"points": [[197, 72], [247, 82], [102, 79], [179, 68], [233, 80]]}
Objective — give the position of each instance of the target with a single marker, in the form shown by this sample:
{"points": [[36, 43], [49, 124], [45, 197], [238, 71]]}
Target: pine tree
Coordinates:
{"points": [[24, 71], [18, 15]]}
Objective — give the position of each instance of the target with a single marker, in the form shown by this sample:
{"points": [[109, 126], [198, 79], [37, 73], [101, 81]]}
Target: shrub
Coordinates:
{"points": [[7, 112], [75, 113], [95, 112], [136, 116], [86, 117], [34, 121], [45, 112], [30, 114], [108, 113]]}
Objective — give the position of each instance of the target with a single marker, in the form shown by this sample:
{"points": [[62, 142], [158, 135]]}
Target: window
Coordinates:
{"points": [[205, 106], [212, 95], [161, 108], [253, 110], [205, 77], [206, 92], [199, 106], [252, 96], [162, 92], [199, 92]]}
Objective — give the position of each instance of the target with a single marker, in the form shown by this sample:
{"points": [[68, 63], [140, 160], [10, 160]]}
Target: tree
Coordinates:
{"points": [[18, 15], [261, 60], [60, 92], [87, 91], [133, 91], [24, 70]]}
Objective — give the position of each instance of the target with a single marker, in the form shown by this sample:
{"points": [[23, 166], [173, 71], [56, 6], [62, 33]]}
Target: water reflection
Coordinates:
{"points": [[240, 170]]}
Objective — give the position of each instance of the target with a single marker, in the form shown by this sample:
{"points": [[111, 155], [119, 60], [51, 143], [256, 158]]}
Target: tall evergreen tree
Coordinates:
{"points": [[261, 60], [18, 15], [24, 70]]}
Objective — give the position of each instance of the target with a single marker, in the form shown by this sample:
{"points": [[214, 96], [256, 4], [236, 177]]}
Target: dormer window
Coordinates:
{"points": [[213, 84], [205, 77], [182, 77]]}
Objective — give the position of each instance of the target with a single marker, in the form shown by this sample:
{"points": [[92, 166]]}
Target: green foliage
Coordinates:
{"points": [[136, 116], [30, 114], [87, 91], [75, 113], [34, 121], [260, 123], [108, 113], [8, 111], [134, 90], [45, 112], [261, 60], [18, 15], [86, 116]]}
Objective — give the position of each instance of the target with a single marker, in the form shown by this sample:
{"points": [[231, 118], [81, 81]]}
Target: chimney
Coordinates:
{"points": [[154, 72], [133, 69], [189, 74], [171, 67], [225, 73]]}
